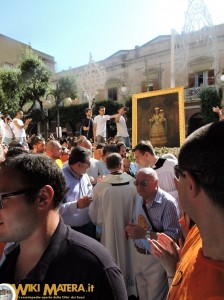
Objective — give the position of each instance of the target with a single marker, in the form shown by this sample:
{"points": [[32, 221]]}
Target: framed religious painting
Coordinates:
{"points": [[158, 116]]}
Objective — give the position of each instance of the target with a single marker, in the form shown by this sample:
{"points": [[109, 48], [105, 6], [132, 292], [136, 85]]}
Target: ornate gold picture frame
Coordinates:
{"points": [[158, 116]]}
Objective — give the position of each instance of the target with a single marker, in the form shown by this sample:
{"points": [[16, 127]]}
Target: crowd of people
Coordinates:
{"points": [[80, 210]]}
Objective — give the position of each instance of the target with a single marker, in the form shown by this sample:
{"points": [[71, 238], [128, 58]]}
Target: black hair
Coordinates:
{"points": [[202, 156], [15, 143], [79, 154], [113, 161], [37, 171], [144, 146], [100, 146], [35, 139], [14, 151], [111, 149], [87, 109], [120, 144]]}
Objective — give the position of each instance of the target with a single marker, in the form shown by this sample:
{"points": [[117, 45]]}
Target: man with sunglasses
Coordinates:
{"points": [[46, 253], [75, 209], [145, 157], [155, 211]]}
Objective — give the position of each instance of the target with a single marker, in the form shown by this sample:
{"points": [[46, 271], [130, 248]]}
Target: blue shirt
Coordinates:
{"points": [[103, 167], [78, 187]]}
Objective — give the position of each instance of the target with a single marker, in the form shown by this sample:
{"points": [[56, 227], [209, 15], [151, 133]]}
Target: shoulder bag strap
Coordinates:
{"points": [[148, 217]]}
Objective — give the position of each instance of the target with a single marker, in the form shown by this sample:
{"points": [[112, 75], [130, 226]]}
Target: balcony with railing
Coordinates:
{"points": [[192, 94]]}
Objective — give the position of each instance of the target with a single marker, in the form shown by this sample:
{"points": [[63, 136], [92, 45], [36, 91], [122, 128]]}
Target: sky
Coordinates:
{"points": [[69, 30]]}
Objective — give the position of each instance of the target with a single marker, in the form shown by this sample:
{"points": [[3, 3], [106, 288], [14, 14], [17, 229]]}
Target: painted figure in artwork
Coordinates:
{"points": [[158, 128]]}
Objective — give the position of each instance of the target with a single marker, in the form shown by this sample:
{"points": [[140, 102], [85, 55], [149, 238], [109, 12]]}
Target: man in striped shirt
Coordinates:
{"points": [[155, 211]]}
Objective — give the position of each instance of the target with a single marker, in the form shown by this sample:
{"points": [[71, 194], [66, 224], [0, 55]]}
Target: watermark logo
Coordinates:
{"points": [[7, 292]]}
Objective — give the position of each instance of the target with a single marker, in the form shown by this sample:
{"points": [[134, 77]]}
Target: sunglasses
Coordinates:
{"points": [[144, 182], [87, 162]]}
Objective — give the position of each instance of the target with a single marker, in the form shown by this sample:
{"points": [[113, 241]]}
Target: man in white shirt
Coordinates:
{"points": [[19, 127], [100, 126], [122, 131]]}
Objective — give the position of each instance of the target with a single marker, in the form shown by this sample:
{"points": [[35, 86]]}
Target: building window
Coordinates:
{"points": [[201, 78], [112, 94]]}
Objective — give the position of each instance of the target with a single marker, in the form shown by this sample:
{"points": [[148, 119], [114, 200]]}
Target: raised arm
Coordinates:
{"points": [[113, 116], [25, 125], [219, 112]]}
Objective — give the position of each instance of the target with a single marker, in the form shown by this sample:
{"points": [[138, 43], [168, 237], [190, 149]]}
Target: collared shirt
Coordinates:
{"points": [[163, 214], [72, 258], [78, 187], [95, 168], [103, 167]]}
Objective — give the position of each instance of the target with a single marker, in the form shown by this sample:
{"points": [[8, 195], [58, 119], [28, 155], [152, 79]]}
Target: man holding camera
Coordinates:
{"points": [[122, 131], [19, 127]]}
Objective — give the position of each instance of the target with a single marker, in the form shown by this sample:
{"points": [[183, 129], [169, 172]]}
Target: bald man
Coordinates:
{"points": [[53, 150]]}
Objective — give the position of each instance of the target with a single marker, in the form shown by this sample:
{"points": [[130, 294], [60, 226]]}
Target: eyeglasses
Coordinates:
{"points": [[87, 162], [180, 172], [4, 196], [144, 182]]}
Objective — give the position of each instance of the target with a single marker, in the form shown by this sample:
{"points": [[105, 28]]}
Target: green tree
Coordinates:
{"points": [[210, 97], [9, 91], [34, 80], [27, 85], [67, 87], [24, 84]]}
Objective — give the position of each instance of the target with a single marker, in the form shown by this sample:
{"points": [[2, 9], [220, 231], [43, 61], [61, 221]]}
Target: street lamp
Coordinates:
{"points": [[66, 102], [58, 127], [48, 103], [124, 88]]}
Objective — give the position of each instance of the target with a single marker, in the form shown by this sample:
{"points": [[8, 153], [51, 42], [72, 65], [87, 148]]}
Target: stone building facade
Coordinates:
{"points": [[149, 67], [12, 50]]}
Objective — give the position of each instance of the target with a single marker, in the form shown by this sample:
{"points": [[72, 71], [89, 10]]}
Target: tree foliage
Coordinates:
{"points": [[9, 91], [23, 84], [29, 83], [210, 97], [34, 80], [67, 87]]}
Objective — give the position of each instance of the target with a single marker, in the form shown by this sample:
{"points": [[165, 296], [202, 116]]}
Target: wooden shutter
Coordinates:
{"points": [[191, 80], [211, 79]]}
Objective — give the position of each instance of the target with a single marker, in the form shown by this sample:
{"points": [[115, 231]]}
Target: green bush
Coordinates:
{"points": [[210, 97]]}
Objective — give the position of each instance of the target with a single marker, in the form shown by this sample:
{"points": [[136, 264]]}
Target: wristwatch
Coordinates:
{"points": [[147, 235]]}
